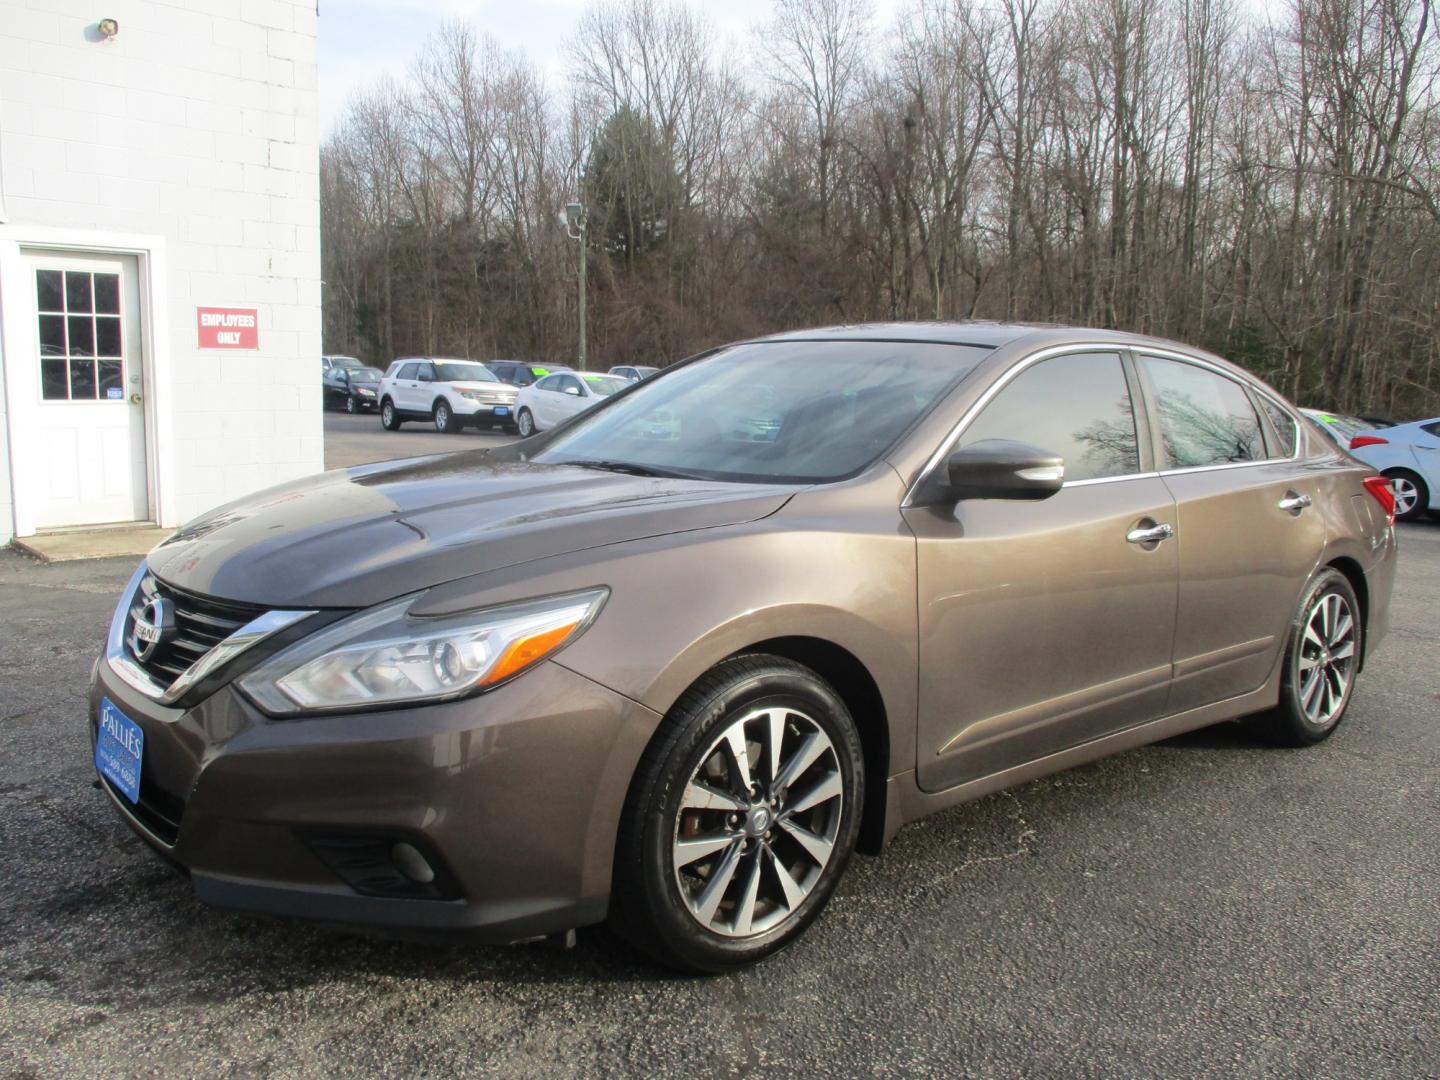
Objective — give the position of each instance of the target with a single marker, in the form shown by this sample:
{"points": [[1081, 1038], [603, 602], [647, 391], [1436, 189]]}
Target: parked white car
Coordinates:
{"points": [[451, 394], [1409, 454], [633, 372], [555, 398]]}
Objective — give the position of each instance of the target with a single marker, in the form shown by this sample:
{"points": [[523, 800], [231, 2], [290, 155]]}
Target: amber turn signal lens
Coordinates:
{"points": [[523, 652]]}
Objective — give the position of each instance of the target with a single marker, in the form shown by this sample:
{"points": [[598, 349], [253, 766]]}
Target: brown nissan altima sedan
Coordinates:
{"points": [[670, 663]]}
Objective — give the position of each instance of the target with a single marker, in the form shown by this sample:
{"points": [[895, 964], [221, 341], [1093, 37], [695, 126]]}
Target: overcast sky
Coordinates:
{"points": [[363, 39]]}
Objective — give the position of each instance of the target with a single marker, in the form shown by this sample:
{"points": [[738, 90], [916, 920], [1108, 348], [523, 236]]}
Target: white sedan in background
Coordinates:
{"points": [[1409, 454], [552, 400]]}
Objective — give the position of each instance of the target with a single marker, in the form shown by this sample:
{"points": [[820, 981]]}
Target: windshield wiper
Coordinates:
{"points": [[632, 469]]}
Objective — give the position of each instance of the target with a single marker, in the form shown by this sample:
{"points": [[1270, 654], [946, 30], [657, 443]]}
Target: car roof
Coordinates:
{"points": [[981, 334]]}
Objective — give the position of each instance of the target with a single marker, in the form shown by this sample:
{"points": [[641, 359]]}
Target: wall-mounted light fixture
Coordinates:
{"points": [[108, 28]]}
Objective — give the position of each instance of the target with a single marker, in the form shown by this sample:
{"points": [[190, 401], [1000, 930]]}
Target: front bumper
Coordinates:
{"points": [[484, 412], [514, 796]]}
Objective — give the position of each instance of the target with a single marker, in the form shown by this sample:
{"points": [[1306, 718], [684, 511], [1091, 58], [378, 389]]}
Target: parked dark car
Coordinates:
{"points": [[353, 388], [521, 372], [674, 681]]}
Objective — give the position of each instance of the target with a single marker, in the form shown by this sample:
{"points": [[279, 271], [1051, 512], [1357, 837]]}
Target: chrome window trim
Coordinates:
{"points": [[948, 443], [249, 635], [1295, 447], [1152, 475]]}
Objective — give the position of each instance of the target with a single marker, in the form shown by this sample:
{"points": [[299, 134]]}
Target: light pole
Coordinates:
{"points": [[576, 226]]}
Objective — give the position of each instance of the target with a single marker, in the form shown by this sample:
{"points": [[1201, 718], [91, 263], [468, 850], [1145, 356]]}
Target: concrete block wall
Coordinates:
{"points": [[196, 123]]}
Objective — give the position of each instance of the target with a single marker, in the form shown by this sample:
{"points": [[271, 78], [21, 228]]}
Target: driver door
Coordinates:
{"points": [[1047, 624]]}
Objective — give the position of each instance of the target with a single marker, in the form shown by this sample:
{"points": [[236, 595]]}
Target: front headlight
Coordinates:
{"points": [[385, 656], [366, 391]]}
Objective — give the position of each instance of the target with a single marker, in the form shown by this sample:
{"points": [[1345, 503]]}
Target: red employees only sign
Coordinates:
{"points": [[228, 328]]}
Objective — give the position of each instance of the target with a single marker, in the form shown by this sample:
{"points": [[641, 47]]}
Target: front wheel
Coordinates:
{"points": [[351, 405], [741, 817], [389, 418], [524, 424], [1322, 657], [445, 421], [1412, 497]]}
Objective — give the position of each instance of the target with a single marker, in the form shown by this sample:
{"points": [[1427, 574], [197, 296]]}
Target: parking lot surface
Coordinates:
{"points": [[1205, 906], [359, 440]]}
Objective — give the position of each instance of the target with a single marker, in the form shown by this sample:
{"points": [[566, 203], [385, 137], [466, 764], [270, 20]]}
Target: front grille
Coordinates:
{"points": [[200, 624]]}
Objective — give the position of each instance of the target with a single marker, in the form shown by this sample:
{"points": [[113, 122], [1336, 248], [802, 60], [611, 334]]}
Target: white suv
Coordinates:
{"points": [[448, 393]]}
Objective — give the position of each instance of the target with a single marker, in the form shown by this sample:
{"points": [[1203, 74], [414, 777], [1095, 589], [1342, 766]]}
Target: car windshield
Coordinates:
{"points": [[784, 411], [365, 374], [463, 371], [605, 385]]}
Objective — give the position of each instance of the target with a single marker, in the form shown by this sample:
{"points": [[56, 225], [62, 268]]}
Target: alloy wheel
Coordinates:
{"points": [[525, 424], [1406, 494], [1326, 660], [758, 822], [442, 417], [350, 406]]}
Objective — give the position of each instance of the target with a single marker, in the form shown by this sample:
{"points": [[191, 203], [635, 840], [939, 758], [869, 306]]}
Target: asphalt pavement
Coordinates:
{"points": [[359, 440], [1207, 906]]}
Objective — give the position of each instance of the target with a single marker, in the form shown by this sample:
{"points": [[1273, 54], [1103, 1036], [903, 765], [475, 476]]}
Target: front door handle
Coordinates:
{"points": [[1294, 504], [1151, 535]]}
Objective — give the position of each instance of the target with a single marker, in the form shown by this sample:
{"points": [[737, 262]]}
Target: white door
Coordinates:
{"points": [[90, 429]]}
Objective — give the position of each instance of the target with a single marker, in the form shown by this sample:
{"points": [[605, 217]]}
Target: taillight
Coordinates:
{"points": [[1367, 440], [1379, 486]]}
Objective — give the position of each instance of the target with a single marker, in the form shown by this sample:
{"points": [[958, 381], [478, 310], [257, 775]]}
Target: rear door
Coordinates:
{"points": [[1248, 521], [1044, 625]]}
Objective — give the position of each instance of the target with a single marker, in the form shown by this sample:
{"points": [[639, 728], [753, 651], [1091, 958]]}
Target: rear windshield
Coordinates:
{"points": [[784, 411]]}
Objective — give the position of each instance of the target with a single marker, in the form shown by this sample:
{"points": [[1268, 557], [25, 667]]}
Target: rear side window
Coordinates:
{"points": [[1205, 418], [1077, 406], [1284, 425]]}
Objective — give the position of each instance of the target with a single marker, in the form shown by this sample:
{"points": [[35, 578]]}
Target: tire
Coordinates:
{"points": [[351, 405], [524, 424], [389, 416], [676, 845], [1411, 491], [1309, 711], [446, 422]]}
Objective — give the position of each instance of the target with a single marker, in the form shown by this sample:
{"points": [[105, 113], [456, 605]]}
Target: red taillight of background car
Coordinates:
{"points": [[1379, 486], [1367, 440]]}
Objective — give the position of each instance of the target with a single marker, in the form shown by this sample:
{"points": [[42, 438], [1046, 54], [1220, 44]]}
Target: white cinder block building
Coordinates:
{"points": [[159, 257]]}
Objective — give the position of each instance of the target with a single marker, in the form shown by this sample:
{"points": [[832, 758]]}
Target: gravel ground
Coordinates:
{"points": [[1205, 906]]}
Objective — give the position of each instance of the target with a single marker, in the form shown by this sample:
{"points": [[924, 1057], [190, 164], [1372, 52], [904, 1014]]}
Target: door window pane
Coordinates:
{"points": [[1205, 418], [54, 385], [107, 294], [82, 335], [82, 379], [48, 294], [77, 292], [107, 336], [52, 335], [1284, 425], [1077, 406], [111, 386]]}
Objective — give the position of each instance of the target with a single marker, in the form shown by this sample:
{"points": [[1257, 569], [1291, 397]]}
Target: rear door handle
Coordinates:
{"points": [[1153, 535], [1293, 503]]}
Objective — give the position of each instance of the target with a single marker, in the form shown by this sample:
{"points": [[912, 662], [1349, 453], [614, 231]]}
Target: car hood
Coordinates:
{"points": [[356, 537], [475, 384]]}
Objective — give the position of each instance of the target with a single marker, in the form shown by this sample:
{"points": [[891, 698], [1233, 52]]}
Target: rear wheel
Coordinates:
{"points": [[1322, 658], [524, 424], [389, 418], [741, 817], [1412, 496]]}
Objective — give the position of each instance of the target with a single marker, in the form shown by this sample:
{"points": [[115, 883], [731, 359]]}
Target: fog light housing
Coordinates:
{"points": [[377, 864]]}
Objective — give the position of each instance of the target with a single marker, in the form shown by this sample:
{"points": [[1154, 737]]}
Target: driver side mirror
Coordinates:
{"points": [[998, 469]]}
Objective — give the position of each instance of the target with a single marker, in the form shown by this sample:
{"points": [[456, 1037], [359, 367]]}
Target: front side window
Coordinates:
{"points": [[81, 358], [1205, 418], [1077, 406], [774, 411]]}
